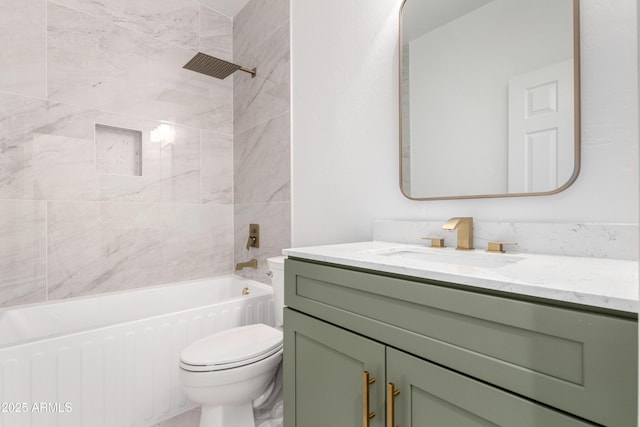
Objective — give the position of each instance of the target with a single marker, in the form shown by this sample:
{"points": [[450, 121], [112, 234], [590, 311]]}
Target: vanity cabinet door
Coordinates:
{"points": [[432, 396], [323, 374]]}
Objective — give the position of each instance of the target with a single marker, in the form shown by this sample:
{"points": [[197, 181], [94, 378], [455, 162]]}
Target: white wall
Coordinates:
{"points": [[345, 125]]}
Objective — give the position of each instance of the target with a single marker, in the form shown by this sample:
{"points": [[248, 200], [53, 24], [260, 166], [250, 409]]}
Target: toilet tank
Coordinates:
{"points": [[276, 266]]}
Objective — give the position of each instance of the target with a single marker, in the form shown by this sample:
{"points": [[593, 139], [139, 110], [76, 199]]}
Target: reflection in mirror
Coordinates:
{"points": [[489, 97]]}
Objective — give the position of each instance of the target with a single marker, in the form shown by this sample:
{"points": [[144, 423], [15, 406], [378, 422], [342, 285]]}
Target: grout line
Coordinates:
{"points": [[46, 250], [22, 95], [46, 50], [199, 27], [275, 202], [200, 192], [121, 202]]}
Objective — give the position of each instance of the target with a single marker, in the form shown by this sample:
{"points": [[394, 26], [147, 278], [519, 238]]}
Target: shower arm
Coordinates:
{"points": [[246, 70]]}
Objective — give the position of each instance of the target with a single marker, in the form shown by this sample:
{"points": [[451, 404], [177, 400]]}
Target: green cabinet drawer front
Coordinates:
{"points": [[431, 396], [323, 368], [581, 362]]}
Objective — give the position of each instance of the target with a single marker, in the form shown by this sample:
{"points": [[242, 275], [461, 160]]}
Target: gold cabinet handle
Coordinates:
{"points": [[366, 415], [391, 407]]}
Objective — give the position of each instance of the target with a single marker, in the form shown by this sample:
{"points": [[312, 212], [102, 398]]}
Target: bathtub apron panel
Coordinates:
{"points": [[119, 375]]}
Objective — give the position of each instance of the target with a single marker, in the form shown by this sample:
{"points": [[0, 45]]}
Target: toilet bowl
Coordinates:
{"points": [[231, 371]]}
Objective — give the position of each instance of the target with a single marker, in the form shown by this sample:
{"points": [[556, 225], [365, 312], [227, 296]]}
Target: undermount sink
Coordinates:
{"points": [[448, 256]]}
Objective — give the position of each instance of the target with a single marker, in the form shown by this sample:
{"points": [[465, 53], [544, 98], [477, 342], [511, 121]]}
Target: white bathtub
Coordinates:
{"points": [[112, 360]]}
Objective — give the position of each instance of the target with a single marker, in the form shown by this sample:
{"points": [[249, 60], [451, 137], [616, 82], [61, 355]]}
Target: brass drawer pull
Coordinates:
{"points": [[366, 415], [391, 407]]}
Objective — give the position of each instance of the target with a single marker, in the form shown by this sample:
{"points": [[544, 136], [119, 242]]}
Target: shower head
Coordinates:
{"points": [[214, 67]]}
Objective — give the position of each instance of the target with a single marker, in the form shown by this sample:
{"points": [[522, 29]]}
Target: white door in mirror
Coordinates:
{"points": [[541, 134]]}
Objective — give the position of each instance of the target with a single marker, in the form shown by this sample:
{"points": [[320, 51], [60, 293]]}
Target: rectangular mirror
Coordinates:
{"points": [[489, 97]]}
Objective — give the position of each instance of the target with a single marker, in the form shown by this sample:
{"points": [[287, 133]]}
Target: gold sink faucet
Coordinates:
{"points": [[464, 226]]}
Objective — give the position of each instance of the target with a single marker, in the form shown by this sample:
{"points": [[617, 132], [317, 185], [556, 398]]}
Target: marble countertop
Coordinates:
{"points": [[604, 283]]}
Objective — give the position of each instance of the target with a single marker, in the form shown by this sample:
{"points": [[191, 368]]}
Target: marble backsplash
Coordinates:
{"points": [[615, 241]]}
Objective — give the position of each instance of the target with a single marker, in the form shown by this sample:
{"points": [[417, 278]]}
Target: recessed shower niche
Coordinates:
{"points": [[118, 151]]}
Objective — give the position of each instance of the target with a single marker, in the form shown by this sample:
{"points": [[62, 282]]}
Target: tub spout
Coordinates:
{"points": [[249, 264]]}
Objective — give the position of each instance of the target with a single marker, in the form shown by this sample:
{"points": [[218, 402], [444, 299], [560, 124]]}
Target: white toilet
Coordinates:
{"points": [[232, 371]]}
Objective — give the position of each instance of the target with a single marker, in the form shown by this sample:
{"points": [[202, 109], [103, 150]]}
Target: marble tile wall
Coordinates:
{"points": [[103, 65], [66, 229], [262, 187]]}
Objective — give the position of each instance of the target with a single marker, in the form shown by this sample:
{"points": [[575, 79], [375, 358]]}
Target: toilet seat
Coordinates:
{"points": [[232, 348]]}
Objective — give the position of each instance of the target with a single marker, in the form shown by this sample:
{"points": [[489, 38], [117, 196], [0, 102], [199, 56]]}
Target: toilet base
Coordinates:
{"points": [[227, 416]]}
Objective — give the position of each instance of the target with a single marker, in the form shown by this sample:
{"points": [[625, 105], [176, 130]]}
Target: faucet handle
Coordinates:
{"points": [[254, 236], [436, 242], [251, 242], [497, 247]]}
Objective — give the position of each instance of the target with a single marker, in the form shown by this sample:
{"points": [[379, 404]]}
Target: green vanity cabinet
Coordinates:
{"points": [[457, 356], [324, 386]]}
